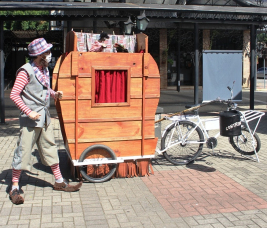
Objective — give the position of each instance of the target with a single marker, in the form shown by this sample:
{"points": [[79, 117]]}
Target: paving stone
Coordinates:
{"points": [[35, 223], [46, 218], [44, 225]]}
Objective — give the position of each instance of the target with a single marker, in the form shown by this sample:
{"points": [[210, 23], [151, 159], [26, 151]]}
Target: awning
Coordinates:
{"points": [[121, 11], [131, 7]]}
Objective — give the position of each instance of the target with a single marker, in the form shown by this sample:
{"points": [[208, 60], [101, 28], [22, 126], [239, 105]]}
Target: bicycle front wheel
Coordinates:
{"points": [[183, 143], [244, 142]]}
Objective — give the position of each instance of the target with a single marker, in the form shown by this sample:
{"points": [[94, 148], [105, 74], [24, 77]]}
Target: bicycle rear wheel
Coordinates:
{"points": [[187, 150], [244, 143]]}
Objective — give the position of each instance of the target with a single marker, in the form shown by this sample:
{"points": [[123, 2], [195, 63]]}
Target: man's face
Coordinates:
{"points": [[42, 58]]}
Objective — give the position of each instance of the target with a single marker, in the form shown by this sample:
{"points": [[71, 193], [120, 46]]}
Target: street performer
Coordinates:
{"points": [[31, 94]]}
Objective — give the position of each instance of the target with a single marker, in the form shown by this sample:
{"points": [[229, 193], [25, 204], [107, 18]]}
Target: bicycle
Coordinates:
{"points": [[183, 139]]}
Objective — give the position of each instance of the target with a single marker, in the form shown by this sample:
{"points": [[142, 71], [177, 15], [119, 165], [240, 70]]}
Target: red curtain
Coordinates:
{"points": [[110, 86]]}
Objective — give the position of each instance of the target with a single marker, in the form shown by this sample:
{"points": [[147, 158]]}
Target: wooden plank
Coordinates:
{"points": [[110, 139], [121, 149], [143, 113], [76, 112], [150, 146], [152, 67], [105, 130], [71, 42], [65, 69], [152, 87], [85, 62], [99, 120], [75, 64], [149, 132], [141, 42], [101, 59], [127, 148], [67, 49], [146, 64], [61, 122], [136, 88], [67, 85], [56, 72], [112, 60], [104, 113]]}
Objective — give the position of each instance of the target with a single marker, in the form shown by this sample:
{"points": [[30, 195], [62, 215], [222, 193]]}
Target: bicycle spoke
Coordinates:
{"points": [[183, 143], [245, 143]]}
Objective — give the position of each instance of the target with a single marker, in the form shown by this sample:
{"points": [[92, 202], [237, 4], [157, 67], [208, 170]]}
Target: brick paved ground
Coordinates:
{"points": [[221, 189]]}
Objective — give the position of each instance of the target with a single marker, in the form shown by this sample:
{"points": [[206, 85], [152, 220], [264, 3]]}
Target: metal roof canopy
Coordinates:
{"points": [[120, 11], [260, 11]]}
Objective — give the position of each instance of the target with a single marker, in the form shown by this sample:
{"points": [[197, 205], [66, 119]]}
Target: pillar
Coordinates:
{"points": [[163, 46]]}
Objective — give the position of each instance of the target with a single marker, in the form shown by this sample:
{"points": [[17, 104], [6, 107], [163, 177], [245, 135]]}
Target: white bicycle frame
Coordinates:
{"points": [[210, 124]]}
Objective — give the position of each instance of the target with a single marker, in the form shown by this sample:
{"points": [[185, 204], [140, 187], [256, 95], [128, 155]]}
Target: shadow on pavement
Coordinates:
{"points": [[25, 179], [201, 168]]}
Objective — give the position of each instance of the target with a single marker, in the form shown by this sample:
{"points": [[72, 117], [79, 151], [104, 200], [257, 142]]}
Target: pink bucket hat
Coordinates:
{"points": [[38, 47]]}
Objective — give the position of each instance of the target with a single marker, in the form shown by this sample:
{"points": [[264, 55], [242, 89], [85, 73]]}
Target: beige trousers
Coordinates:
{"points": [[44, 138]]}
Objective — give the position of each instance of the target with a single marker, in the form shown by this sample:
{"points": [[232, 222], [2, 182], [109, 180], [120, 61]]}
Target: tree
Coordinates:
{"points": [[26, 25]]}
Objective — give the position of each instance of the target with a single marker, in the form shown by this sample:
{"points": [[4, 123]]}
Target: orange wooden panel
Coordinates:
{"points": [[86, 113], [56, 72], [151, 107], [153, 67], [113, 60], [120, 148], [65, 69], [136, 88], [152, 88], [67, 43], [146, 64], [68, 110], [83, 62], [84, 88], [61, 123], [107, 130], [150, 146], [149, 129], [71, 41], [75, 63], [141, 42], [67, 85]]}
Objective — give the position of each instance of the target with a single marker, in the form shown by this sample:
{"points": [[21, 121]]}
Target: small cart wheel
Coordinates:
{"points": [[100, 172]]}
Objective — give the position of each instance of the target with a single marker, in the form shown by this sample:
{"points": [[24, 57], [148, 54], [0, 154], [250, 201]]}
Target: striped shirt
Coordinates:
{"points": [[21, 81]]}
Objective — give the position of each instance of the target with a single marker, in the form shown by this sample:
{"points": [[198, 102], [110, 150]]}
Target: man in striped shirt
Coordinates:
{"points": [[31, 93]]}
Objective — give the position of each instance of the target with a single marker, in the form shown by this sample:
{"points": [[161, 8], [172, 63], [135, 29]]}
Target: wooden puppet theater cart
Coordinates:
{"points": [[108, 108]]}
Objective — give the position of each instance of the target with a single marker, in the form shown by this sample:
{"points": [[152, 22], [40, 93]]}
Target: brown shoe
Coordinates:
{"points": [[15, 197], [66, 187]]}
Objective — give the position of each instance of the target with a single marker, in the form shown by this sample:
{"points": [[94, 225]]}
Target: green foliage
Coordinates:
{"points": [[262, 37], [26, 25]]}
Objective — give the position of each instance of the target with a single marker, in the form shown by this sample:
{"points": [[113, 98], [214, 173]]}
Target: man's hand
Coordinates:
{"points": [[34, 115], [58, 94]]}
